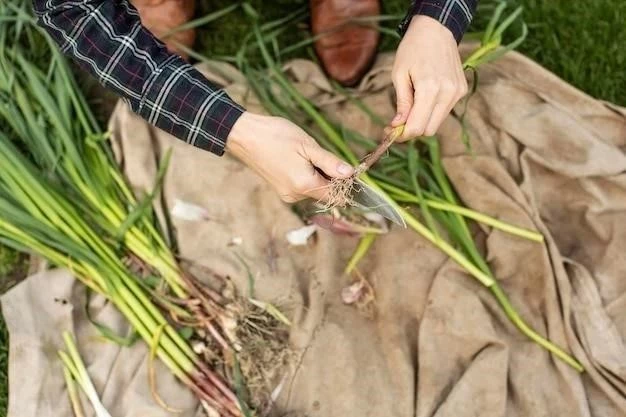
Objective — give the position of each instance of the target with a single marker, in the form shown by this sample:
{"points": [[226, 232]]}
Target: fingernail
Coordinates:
{"points": [[344, 169], [397, 117]]}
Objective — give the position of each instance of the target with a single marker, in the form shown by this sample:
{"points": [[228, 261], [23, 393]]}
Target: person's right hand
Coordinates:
{"points": [[285, 156]]}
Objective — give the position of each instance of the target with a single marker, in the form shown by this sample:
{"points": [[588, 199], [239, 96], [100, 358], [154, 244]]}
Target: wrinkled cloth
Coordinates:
{"points": [[545, 156]]}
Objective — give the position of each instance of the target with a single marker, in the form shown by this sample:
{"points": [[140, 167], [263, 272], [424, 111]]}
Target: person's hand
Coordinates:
{"points": [[428, 77], [285, 156]]}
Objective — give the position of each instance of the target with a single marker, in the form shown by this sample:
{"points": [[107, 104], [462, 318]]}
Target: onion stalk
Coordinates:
{"points": [[75, 373], [42, 219]]}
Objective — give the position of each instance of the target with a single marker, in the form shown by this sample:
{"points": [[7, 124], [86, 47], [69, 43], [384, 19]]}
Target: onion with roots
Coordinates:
{"points": [[341, 189]]}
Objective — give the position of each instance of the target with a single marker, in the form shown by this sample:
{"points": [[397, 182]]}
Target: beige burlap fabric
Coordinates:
{"points": [[547, 157]]}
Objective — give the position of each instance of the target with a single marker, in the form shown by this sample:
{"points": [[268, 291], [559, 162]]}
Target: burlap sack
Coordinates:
{"points": [[546, 156]]}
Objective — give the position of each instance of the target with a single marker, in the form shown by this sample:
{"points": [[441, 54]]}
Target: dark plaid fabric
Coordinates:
{"points": [[106, 38], [456, 15]]}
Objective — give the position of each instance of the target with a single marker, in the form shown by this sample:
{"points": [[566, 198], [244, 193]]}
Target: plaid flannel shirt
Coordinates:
{"points": [[107, 39], [456, 15]]}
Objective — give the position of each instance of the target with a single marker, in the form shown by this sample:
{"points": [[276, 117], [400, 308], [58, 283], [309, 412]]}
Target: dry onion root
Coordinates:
{"points": [[341, 189], [229, 331]]}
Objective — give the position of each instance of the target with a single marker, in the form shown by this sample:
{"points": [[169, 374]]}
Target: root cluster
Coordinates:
{"points": [[341, 190], [242, 349]]}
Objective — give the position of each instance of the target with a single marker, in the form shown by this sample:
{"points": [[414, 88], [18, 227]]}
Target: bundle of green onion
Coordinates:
{"points": [[409, 177], [63, 196]]}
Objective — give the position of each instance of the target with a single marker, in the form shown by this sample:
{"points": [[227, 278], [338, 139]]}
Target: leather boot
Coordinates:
{"points": [[348, 49], [161, 16]]}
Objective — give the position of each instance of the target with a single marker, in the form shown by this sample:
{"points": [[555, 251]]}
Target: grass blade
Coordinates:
{"points": [[208, 18]]}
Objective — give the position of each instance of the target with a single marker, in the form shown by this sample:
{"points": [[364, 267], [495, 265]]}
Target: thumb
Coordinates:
{"points": [[328, 162], [404, 100]]}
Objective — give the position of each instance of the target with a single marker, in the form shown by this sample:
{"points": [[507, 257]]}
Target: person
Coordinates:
{"points": [[108, 40]]}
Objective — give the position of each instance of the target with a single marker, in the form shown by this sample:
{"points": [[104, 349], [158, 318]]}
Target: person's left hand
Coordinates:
{"points": [[428, 77]]}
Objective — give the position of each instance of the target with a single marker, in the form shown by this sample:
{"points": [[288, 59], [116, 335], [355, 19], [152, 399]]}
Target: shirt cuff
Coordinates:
{"points": [[181, 101], [456, 15]]}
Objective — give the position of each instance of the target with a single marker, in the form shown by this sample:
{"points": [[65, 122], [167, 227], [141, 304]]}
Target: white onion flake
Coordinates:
{"points": [[188, 211], [300, 236]]}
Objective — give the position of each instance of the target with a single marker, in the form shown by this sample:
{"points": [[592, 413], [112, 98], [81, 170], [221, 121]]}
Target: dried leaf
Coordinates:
{"points": [[353, 292]]}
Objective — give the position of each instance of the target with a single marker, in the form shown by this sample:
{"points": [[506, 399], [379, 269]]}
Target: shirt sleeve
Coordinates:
{"points": [[456, 15], [107, 39]]}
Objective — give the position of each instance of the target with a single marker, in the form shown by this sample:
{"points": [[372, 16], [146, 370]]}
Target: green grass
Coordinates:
{"points": [[9, 260], [10, 264], [12, 267], [582, 42], [223, 37]]}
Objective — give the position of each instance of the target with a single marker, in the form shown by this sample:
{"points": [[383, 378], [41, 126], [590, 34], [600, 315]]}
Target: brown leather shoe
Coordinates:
{"points": [[161, 16], [348, 50]]}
